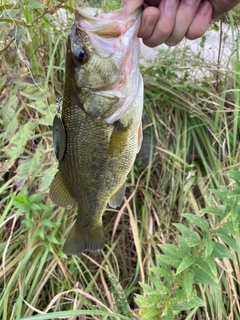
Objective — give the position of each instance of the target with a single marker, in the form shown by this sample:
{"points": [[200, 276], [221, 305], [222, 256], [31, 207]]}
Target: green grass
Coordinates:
{"points": [[191, 129]]}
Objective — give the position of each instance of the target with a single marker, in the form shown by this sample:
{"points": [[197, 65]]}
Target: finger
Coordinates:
{"points": [[185, 15], [149, 19], [201, 21], [130, 6], [165, 24], [221, 7]]}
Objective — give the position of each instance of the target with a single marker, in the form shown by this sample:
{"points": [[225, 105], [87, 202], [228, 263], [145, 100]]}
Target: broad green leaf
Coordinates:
{"points": [[213, 210], [231, 242], [184, 245], [164, 271], [205, 267], [147, 288], [149, 314], [198, 221], [169, 259], [220, 251], [193, 242], [187, 262], [33, 93], [186, 232], [157, 284], [221, 195], [202, 277], [212, 265], [187, 282], [187, 305], [234, 193], [235, 175], [209, 247], [235, 211], [172, 249]]}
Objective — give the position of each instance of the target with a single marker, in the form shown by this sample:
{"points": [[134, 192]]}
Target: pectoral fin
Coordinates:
{"points": [[117, 198], [140, 137], [59, 193]]}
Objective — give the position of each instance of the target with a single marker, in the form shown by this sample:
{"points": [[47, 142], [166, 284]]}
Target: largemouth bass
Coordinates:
{"points": [[99, 133]]}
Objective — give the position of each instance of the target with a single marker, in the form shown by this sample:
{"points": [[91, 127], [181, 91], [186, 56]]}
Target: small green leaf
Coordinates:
{"points": [[187, 305], [149, 314], [220, 251], [186, 232], [172, 249], [169, 259], [209, 247], [187, 282], [202, 277], [230, 242], [187, 262], [234, 193], [212, 265], [193, 242], [198, 221], [213, 210], [202, 264]]}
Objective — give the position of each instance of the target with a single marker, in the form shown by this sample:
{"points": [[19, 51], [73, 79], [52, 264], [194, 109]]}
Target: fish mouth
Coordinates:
{"points": [[108, 25]]}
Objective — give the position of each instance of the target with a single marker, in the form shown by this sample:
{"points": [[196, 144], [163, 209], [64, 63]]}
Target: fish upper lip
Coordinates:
{"points": [[134, 15]]}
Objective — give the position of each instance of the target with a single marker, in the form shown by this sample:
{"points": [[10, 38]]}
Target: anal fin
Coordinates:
{"points": [[117, 198], [59, 193]]}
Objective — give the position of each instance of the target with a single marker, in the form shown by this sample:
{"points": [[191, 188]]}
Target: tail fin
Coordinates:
{"points": [[81, 239]]}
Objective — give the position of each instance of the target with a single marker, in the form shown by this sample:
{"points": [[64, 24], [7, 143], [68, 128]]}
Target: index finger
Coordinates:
{"points": [[130, 6]]}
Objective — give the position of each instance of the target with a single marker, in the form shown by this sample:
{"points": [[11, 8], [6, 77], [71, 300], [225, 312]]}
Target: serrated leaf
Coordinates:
{"points": [[187, 282], [149, 314], [198, 221], [209, 247], [220, 251], [231, 242], [202, 277], [187, 262], [147, 288]]}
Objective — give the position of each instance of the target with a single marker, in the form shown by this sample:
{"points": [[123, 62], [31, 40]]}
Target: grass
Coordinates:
{"points": [[191, 130]]}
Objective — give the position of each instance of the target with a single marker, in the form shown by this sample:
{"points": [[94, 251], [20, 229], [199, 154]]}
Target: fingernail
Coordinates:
{"points": [[170, 7], [205, 7], [191, 2]]}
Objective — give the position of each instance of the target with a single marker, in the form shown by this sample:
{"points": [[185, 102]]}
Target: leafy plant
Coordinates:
{"points": [[181, 268]]}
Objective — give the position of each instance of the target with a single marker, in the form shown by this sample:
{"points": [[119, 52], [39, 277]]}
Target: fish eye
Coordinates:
{"points": [[81, 55]]}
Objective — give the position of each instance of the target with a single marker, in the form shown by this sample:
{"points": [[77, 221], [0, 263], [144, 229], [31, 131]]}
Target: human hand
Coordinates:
{"points": [[169, 21]]}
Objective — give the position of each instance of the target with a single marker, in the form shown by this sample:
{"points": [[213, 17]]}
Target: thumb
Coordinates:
{"points": [[130, 6]]}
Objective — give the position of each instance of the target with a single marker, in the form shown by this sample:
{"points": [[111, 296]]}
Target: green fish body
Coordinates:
{"points": [[101, 114]]}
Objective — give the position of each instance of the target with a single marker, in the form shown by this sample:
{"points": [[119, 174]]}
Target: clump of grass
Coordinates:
{"points": [[191, 125]]}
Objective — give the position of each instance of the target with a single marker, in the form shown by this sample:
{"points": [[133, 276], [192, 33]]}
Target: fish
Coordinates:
{"points": [[99, 131]]}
